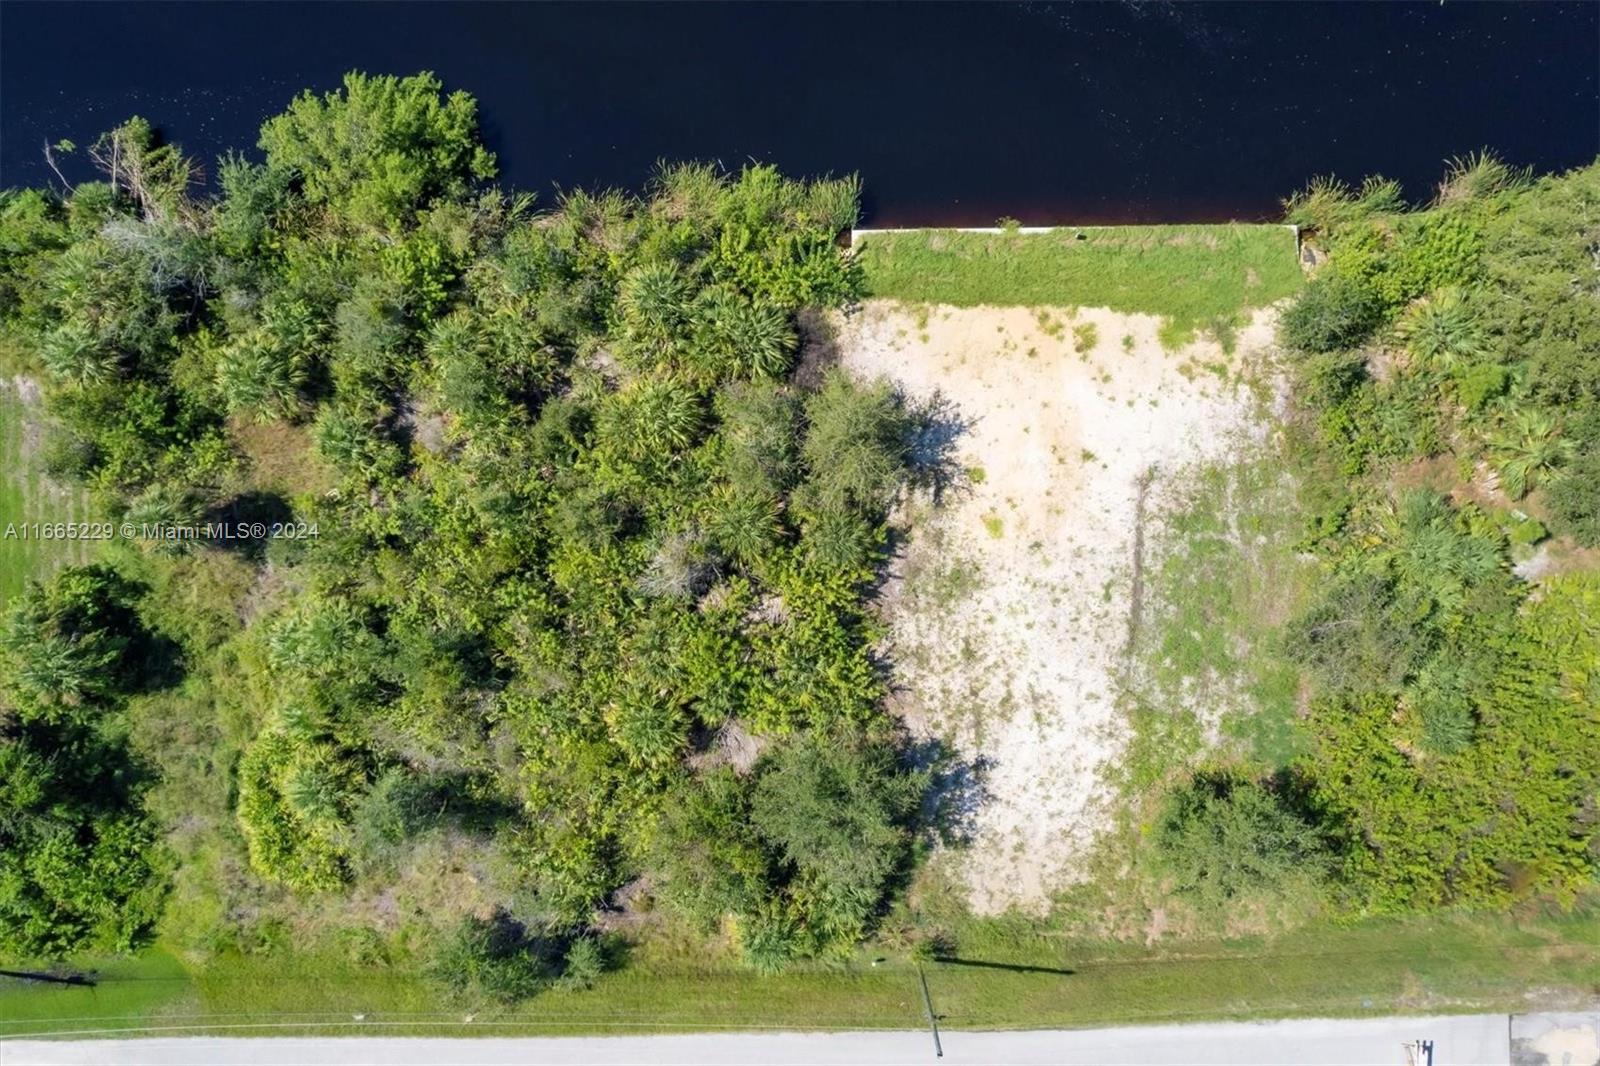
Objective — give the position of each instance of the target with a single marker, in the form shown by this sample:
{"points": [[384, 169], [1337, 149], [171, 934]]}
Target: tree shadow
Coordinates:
{"points": [[937, 426], [819, 349], [955, 792], [244, 511], [946, 960]]}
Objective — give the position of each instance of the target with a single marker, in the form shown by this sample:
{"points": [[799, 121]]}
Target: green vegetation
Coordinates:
{"points": [[1223, 835], [1441, 660], [29, 498], [1196, 276], [1032, 977], [1224, 575], [554, 700], [573, 596], [1449, 693], [76, 855]]}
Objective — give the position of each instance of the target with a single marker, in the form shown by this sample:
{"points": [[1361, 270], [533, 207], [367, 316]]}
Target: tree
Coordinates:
{"points": [[840, 813], [256, 375], [381, 150], [155, 176], [76, 850], [75, 871], [295, 797], [1222, 835], [74, 644], [1443, 330], [1528, 447], [856, 447], [1334, 313]]}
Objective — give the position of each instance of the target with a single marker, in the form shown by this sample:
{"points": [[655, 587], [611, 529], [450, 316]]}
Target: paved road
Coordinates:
{"points": [[1481, 1040]]}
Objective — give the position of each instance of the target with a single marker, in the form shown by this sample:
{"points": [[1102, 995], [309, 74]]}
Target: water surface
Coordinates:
{"points": [[952, 113]]}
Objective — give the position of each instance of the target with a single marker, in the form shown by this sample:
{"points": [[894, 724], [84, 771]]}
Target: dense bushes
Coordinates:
{"points": [[1498, 817], [1453, 717], [580, 529], [77, 857], [494, 960]]}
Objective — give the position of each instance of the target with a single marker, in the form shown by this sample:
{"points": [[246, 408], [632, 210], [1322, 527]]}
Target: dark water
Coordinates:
{"points": [[952, 113]]}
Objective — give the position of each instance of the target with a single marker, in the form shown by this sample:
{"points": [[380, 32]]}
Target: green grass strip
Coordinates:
{"points": [[999, 977], [1193, 275]]}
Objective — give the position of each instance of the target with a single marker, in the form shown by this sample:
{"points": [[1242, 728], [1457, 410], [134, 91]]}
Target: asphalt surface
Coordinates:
{"points": [[1482, 1040]]}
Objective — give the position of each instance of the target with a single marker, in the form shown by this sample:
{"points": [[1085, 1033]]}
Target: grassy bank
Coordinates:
{"points": [[1000, 975], [27, 497], [1193, 275]]}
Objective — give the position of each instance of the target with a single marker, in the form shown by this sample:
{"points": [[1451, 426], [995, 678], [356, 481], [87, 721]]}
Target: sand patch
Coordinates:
{"points": [[1011, 606]]}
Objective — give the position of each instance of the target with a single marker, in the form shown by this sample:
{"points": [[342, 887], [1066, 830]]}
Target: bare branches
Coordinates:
{"points": [[155, 176], [50, 158]]}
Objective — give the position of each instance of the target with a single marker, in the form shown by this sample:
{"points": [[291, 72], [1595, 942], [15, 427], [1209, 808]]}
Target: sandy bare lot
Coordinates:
{"points": [[1012, 603]]}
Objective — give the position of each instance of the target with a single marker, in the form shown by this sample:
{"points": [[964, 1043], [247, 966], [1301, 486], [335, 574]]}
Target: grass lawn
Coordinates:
{"points": [[26, 496], [1002, 975], [1193, 275], [1222, 575]]}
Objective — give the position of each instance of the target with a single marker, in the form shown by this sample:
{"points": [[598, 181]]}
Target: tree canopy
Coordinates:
{"points": [[574, 525]]}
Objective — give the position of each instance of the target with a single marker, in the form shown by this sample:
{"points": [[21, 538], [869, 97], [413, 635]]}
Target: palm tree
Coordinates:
{"points": [[649, 730], [256, 374], [312, 788], [1442, 330], [1529, 447], [651, 417], [762, 340], [654, 299], [72, 352], [737, 336], [840, 539], [1432, 558], [54, 673], [744, 524]]}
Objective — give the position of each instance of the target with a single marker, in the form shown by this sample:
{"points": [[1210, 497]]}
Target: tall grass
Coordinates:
{"points": [[28, 497]]}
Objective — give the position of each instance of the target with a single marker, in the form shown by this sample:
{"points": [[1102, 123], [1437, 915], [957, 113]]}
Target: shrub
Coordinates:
{"points": [[856, 446], [705, 863], [767, 939], [1503, 817], [1479, 384], [491, 960], [584, 964], [381, 149], [397, 807], [1222, 835], [294, 801], [1333, 313], [1575, 498], [840, 812], [1355, 639], [1527, 448], [1443, 330], [759, 437]]}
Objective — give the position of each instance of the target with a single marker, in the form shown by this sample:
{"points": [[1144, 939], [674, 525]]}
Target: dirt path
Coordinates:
{"points": [[1013, 600]]}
